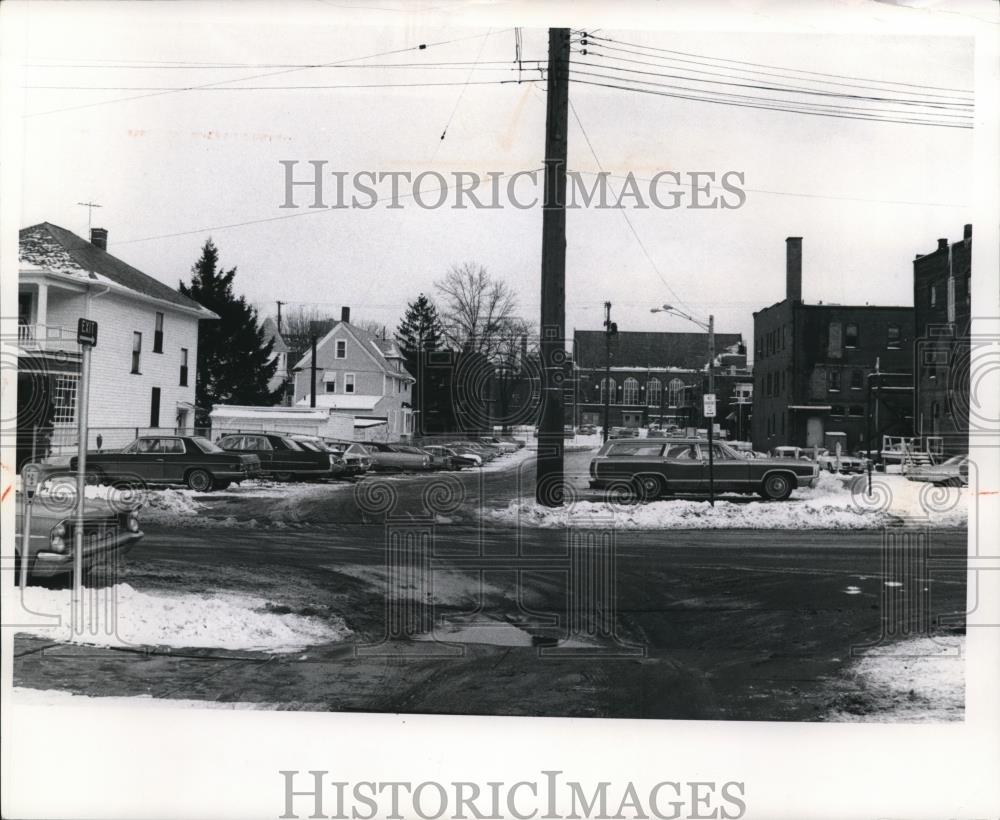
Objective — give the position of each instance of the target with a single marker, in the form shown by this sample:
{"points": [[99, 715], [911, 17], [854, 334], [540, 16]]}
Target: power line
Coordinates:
{"points": [[456, 64], [782, 87], [787, 109], [274, 87], [628, 221], [418, 47], [461, 93], [868, 80], [781, 102]]}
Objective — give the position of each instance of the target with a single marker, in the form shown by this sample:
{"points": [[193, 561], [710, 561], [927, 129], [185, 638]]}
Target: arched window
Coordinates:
{"points": [[653, 392], [675, 393], [630, 391], [604, 384]]}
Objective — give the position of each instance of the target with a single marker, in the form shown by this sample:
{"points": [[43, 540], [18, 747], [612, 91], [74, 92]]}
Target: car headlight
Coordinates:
{"points": [[133, 521], [57, 538]]}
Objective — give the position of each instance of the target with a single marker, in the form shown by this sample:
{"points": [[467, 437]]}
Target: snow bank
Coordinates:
{"points": [[123, 616], [919, 680], [509, 461], [834, 503]]}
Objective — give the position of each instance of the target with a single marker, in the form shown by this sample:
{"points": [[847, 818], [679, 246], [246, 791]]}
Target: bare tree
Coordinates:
{"points": [[377, 329], [476, 309]]}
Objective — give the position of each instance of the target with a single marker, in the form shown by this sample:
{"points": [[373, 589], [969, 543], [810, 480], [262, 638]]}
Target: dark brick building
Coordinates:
{"points": [[942, 300], [654, 377], [828, 374]]}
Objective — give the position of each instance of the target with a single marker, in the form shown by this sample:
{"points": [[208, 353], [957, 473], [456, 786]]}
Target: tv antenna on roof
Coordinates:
{"points": [[90, 213]]}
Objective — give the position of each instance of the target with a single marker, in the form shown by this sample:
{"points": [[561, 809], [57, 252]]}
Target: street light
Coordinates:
{"points": [[710, 327]]}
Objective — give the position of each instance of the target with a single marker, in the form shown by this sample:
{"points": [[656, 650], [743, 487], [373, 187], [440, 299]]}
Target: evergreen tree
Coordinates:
{"points": [[419, 335], [235, 362]]}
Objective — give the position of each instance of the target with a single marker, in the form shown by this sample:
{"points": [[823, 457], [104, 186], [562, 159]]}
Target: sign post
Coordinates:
{"points": [[708, 411], [86, 337], [29, 481]]}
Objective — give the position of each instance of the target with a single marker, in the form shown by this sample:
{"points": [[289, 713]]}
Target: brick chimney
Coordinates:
{"points": [[345, 314], [967, 233], [942, 244], [793, 268], [99, 237]]}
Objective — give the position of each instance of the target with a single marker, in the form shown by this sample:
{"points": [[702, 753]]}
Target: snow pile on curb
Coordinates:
{"points": [[509, 461], [919, 680], [123, 616], [834, 503]]}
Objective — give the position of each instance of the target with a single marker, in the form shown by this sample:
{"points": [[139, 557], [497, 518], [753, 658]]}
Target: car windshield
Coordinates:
{"points": [[206, 446], [290, 444]]}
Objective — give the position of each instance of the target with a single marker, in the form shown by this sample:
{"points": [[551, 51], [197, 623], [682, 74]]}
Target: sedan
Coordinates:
{"points": [[191, 460], [395, 457], [107, 535], [651, 468], [951, 473], [500, 444], [280, 456], [450, 458], [356, 458]]}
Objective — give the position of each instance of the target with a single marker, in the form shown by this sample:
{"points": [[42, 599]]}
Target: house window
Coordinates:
{"points": [[349, 383], [833, 380], [630, 391], [64, 399], [654, 392], [136, 351], [184, 367], [158, 334], [154, 408], [893, 336], [331, 385], [850, 335], [856, 380], [341, 349]]}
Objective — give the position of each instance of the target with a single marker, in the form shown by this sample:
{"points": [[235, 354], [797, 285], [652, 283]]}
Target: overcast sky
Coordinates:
{"points": [[866, 196]]}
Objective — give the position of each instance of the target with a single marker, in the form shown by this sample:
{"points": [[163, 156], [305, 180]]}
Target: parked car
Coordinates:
{"points": [[651, 468], [953, 472], [393, 457], [474, 456], [623, 432], [587, 430], [280, 456], [108, 534], [338, 466], [843, 463], [357, 460], [158, 460], [486, 452], [450, 458], [787, 451], [499, 444]]}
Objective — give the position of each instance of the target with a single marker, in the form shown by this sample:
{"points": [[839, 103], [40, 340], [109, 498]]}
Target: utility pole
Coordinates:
{"points": [[312, 371], [551, 442], [610, 329], [711, 421], [279, 303]]}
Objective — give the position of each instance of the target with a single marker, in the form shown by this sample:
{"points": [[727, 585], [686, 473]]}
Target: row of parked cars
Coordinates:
{"points": [[204, 465]]}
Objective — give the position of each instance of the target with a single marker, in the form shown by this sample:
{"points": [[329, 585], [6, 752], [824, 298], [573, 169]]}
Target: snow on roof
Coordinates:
{"points": [[348, 401]]}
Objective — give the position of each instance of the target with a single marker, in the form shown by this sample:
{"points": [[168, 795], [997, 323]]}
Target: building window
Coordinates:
{"points": [[341, 349], [833, 380], [64, 399], [136, 351], [837, 410], [933, 295], [349, 383], [154, 408], [856, 410], [608, 385], [158, 334], [630, 391], [184, 367], [654, 392], [770, 385], [331, 385], [856, 380], [850, 335], [893, 336], [675, 393]]}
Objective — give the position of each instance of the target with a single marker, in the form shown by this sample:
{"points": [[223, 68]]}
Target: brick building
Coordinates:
{"points": [[942, 300], [655, 377], [826, 374]]}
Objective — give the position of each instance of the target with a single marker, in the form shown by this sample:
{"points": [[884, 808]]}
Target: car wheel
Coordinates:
{"points": [[200, 481], [647, 487], [777, 487]]}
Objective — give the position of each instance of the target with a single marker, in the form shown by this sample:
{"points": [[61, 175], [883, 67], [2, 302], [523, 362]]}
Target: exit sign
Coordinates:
{"points": [[86, 332]]}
